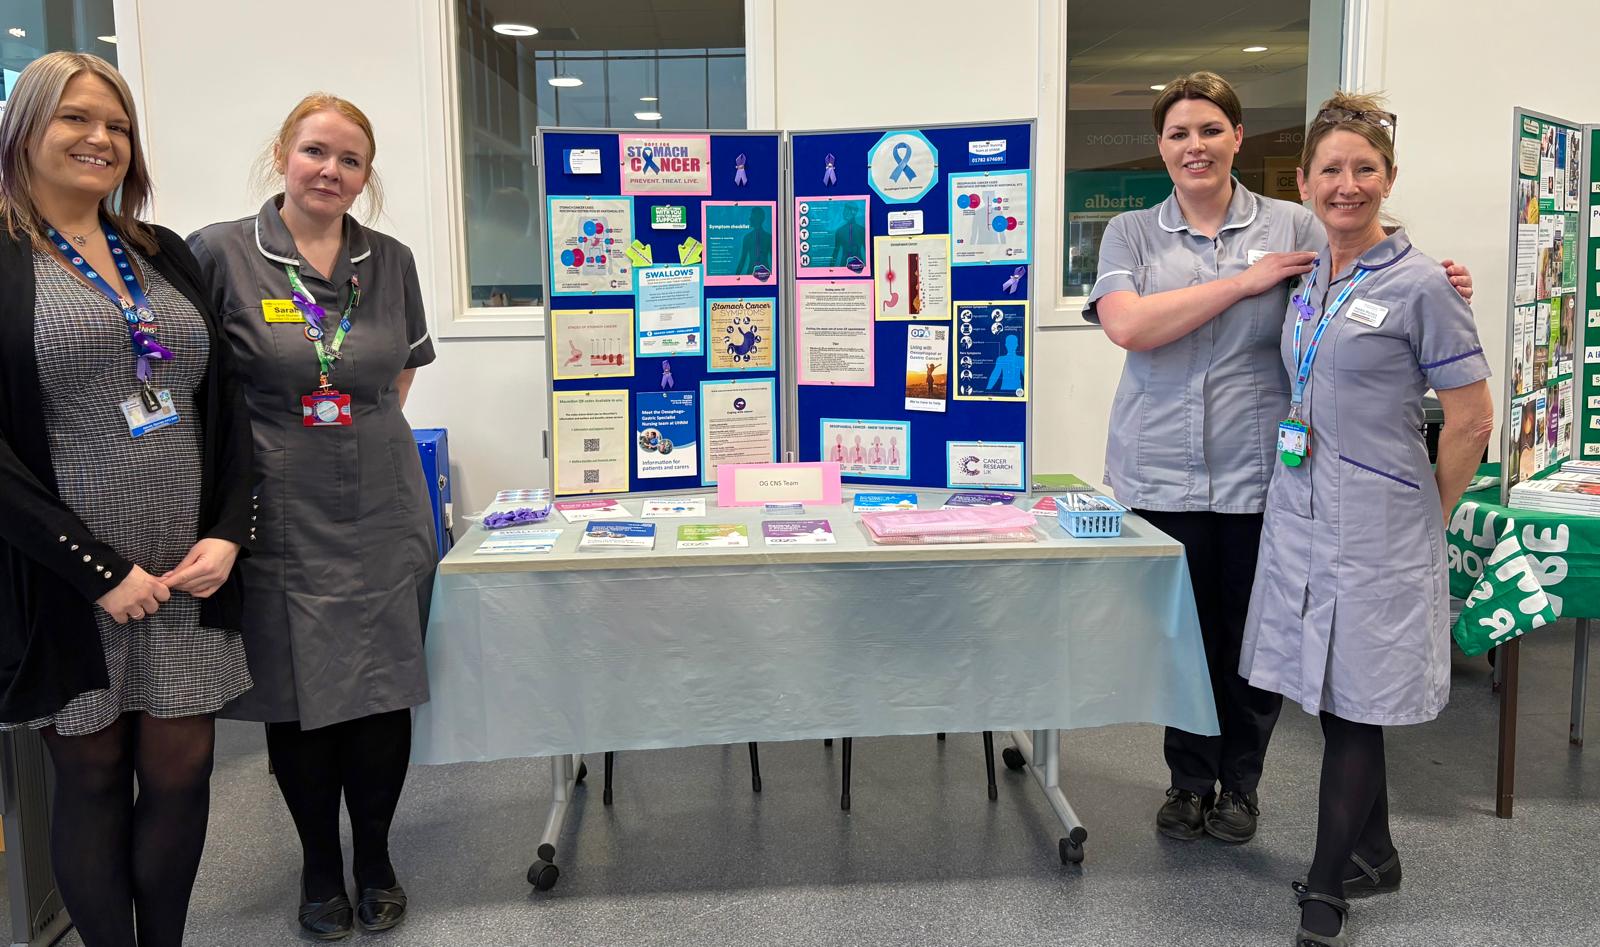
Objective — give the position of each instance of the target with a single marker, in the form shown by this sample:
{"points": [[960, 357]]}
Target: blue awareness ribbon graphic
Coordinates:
{"points": [[649, 156], [902, 162]]}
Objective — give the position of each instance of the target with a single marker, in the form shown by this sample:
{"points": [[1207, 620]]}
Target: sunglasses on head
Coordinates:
{"points": [[1334, 116]]}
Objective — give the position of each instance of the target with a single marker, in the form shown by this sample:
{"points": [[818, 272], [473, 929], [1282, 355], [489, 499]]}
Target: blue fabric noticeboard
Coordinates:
{"points": [[734, 213], [974, 184]]}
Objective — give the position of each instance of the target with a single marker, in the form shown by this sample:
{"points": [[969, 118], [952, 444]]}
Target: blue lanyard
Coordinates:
{"points": [[134, 304], [1303, 304]]}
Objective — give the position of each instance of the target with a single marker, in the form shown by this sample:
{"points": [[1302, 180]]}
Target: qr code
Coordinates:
{"points": [[591, 476], [591, 445]]}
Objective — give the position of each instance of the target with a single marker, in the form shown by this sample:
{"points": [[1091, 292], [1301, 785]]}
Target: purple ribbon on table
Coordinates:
{"points": [[740, 179], [1017, 274], [828, 177], [516, 517]]}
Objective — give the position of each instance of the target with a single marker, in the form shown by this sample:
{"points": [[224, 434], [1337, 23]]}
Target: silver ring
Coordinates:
{"points": [[138, 616]]}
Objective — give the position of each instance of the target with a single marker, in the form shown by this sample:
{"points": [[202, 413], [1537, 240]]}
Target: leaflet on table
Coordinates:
{"points": [[713, 535], [927, 367], [613, 534], [674, 507], [979, 499], [591, 343], [877, 449], [797, 532], [537, 498], [994, 464], [989, 217], [912, 277], [665, 435], [783, 509], [581, 511], [738, 424], [834, 332], [741, 242], [1044, 507], [517, 541], [831, 236], [590, 439], [883, 501], [991, 348], [587, 239], [1061, 483], [669, 310], [743, 334]]}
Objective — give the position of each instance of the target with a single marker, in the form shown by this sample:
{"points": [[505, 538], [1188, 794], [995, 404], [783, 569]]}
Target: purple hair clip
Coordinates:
{"points": [[516, 517], [828, 177], [1017, 274], [313, 312], [739, 177]]}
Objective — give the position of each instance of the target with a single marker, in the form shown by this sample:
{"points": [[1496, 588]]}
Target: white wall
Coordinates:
{"points": [[215, 79]]}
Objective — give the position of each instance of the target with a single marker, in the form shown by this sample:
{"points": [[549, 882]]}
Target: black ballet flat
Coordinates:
{"points": [[381, 908], [326, 920]]}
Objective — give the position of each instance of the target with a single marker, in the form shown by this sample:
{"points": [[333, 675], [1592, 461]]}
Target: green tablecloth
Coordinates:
{"points": [[1517, 570]]}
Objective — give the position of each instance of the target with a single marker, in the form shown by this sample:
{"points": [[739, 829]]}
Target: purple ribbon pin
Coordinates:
{"points": [[828, 177], [740, 179], [1017, 274], [313, 312], [1305, 308]]}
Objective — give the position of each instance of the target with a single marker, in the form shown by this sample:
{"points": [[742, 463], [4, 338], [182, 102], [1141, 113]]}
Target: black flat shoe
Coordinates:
{"points": [[326, 920], [381, 908], [1368, 880]]}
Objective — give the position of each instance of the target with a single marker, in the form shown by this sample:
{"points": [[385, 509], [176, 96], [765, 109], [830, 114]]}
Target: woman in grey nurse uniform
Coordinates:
{"points": [[326, 320], [1195, 290], [1349, 615]]}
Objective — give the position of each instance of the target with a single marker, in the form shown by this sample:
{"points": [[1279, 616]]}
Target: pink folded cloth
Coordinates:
{"points": [[976, 522]]}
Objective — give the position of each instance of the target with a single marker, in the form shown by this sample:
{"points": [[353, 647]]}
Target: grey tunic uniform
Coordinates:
{"points": [[1192, 426], [338, 586], [1349, 613]]}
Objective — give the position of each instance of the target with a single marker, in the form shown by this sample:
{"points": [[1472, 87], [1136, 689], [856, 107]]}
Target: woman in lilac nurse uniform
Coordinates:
{"points": [[1349, 616]]}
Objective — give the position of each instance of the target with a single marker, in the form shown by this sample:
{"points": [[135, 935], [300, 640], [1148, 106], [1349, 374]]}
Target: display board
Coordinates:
{"points": [[910, 297], [664, 306], [1544, 397], [1589, 294]]}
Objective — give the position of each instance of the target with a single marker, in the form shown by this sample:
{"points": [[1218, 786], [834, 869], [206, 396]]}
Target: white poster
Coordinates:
{"points": [[927, 367], [834, 332], [902, 167], [877, 449], [990, 217], [669, 310], [1527, 262], [738, 424], [589, 237], [591, 441], [911, 277], [995, 464], [591, 343]]}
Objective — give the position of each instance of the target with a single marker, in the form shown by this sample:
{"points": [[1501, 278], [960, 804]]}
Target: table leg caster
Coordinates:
{"points": [[1012, 757], [1072, 847], [546, 852], [543, 875]]}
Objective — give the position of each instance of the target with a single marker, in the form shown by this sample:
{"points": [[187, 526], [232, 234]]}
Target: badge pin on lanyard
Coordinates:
{"points": [[1294, 434], [330, 353], [133, 303]]}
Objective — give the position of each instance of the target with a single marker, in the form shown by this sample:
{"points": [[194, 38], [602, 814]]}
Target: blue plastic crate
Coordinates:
{"points": [[1102, 519]]}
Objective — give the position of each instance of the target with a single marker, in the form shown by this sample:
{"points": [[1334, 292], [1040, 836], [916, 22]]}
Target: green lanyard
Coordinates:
{"points": [[328, 354]]}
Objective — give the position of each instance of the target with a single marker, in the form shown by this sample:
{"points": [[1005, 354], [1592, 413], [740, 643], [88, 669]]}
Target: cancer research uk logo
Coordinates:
{"points": [[665, 164]]}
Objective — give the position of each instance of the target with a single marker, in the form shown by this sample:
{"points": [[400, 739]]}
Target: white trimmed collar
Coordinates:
{"points": [[1242, 210]]}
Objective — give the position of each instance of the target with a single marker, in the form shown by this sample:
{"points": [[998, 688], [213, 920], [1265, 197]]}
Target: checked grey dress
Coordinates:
{"points": [[141, 496]]}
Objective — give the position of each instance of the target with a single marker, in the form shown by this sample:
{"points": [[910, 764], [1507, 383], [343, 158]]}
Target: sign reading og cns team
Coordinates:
{"points": [[665, 164]]}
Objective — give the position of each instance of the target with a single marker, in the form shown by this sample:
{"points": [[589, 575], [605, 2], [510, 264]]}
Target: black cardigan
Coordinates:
{"points": [[49, 644]]}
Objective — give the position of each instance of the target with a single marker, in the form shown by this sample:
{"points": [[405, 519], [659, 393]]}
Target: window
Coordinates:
{"points": [[1119, 55], [621, 64], [31, 28]]}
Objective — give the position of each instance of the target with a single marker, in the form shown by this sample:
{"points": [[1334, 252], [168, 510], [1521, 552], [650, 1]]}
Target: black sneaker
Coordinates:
{"points": [[1233, 818], [1184, 814]]}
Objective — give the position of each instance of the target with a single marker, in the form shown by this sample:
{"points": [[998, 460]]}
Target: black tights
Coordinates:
{"points": [[365, 759], [1352, 813], [126, 865]]}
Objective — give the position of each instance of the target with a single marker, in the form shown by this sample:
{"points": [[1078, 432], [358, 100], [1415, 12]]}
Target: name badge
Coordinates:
{"points": [[1254, 257], [1294, 442], [326, 409], [280, 310], [1367, 313], [144, 416]]}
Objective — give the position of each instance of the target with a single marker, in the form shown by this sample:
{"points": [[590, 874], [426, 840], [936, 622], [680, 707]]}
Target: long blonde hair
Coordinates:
{"points": [[28, 113], [268, 172]]}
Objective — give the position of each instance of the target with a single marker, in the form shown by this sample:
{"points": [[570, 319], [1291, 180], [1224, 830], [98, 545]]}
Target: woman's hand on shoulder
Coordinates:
{"points": [[1460, 278], [1272, 269]]}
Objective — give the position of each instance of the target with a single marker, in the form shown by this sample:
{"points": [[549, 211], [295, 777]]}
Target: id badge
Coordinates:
{"points": [[280, 310], [1294, 442], [325, 409], [145, 416]]}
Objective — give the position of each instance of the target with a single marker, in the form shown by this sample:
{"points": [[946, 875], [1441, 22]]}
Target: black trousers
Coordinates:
{"points": [[1221, 549]]}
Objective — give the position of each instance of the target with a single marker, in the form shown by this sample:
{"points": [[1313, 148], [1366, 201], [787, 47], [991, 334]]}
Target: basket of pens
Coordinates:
{"points": [[1090, 515]]}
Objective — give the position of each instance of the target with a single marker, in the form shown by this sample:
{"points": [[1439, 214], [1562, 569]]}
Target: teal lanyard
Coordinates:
{"points": [[1303, 376], [328, 354]]}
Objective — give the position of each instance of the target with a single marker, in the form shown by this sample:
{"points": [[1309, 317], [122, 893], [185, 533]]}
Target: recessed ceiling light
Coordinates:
{"points": [[565, 82], [647, 116], [107, 39], [18, 32], [1157, 88], [1255, 49], [649, 98], [515, 29]]}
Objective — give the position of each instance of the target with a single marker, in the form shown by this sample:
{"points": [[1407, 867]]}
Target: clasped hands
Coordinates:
{"points": [[200, 574]]}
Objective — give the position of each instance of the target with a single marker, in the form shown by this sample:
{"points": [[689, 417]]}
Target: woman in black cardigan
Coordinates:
{"points": [[125, 460]]}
